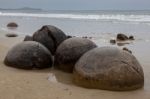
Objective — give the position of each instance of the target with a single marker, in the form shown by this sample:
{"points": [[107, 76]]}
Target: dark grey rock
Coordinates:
{"points": [[113, 41], [12, 24], [28, 38], [50, 36], [108, 68], [29, 55], [69, 36], [70, 51], [122, 37], [131, 38], [85, 37]]}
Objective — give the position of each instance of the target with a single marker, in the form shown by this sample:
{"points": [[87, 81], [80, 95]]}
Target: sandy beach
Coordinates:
{"points": [[34, 84]]}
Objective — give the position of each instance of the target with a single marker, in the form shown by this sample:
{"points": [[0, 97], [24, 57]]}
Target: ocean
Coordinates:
{"points": [[80, 23]]}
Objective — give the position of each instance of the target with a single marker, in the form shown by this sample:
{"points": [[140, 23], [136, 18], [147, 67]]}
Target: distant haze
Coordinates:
{"points": [[78, 4]]}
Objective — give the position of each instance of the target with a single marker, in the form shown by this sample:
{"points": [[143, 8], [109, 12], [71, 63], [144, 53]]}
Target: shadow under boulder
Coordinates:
{"points": [[29, 55], [50, 36], [69, 51], [108, 68], [11, 35]]}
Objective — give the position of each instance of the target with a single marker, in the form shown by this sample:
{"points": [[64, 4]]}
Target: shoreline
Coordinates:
{"points": [[34, 84]]}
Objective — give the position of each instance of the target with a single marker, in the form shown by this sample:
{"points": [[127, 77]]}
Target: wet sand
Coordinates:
{"points": [[34, 84]]}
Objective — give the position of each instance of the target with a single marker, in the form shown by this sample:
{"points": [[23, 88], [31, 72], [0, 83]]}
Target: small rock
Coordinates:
{"points": [[69, 36], [28, 38], [113, 41], [12, 24], [131, 37], [122, 37], [84, 37]]}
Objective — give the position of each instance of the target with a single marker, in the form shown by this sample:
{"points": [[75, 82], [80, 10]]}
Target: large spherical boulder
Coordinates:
{"points": [[29, 55], [108, 68], [70, 51], [50, 36]]}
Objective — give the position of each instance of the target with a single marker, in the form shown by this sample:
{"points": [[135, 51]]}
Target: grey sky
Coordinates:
{"points": [[78, 4]]}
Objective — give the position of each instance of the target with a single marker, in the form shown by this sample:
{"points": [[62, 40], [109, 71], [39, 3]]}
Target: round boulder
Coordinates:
{"points": [[29, 55], [50, 36], [70, 51], [108, 68], [122, 37], [12, 24]]}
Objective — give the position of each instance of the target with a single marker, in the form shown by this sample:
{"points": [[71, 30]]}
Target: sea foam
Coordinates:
{"points": [[101, 17]]}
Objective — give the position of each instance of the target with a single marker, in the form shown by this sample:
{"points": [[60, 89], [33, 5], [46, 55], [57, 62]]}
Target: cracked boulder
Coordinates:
{"points": [[70, 51], [29, 55], [50, 36], [108, 68]]}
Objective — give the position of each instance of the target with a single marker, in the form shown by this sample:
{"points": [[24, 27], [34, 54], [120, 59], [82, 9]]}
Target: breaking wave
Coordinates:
{"points": [[101, 17]]}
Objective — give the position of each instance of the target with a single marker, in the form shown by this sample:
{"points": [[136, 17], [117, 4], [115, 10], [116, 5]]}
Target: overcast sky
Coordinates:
{"points": [[78, 4]]}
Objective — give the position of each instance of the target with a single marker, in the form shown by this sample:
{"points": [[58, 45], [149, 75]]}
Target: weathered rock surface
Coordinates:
{"points": [[29, 55], [50, 36], [108, 68], [70, 51], [126, 49]]}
